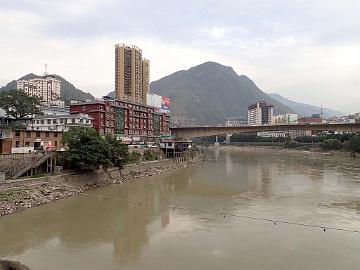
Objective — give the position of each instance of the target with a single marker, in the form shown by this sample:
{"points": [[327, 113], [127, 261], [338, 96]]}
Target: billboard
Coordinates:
{"points": [[165, 104]]}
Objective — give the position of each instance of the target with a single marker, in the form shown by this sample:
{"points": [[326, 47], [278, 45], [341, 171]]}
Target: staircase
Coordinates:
{"points": [[34, 164]]}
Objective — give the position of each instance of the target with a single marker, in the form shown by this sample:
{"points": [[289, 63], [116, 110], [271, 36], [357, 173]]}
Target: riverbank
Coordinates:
{"points": [[280, 148], [42, 190]]}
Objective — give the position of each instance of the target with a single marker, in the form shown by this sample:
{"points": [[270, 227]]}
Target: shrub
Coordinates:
{"points": [[331, 144], [149, 155], [134, 157], [353, 145], [291, 144]]}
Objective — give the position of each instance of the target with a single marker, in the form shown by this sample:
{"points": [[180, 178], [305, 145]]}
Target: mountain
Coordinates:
{"points": [[209, 93], [68, 90], [305, 109]]}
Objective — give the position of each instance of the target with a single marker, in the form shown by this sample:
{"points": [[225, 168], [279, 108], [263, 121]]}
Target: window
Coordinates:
{"points": [[49, 121], [37, 122], [42, 122], [61, 121], [37, 134], [47, 134], [17, 144], [73, 120], [27, 144], [54, 121], [28, 134], [55, 134], [55, 143], [17, 133]]}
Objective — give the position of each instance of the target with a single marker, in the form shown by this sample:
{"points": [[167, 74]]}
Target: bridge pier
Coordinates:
{"points": [[228, 137], [216, 144]]}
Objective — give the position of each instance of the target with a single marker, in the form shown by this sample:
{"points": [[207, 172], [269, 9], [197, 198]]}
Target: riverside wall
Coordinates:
{"points": [[18, 195]]}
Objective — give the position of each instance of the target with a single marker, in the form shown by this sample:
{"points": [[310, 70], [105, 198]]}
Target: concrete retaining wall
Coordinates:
{"points": [[91, 177], [10, 164]]}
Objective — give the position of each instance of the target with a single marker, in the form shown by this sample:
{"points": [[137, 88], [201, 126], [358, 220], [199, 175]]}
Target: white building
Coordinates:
{"points": [[273, 134], [235, 122], [285, 119], [153, 100], [260, 113], [291, 134], [60, 122], [299, 133], [47, 88]]}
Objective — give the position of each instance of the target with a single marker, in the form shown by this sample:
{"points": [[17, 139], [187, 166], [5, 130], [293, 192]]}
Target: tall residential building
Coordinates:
{"points": [[145, 79], [132, 74], [260, 113], [47, 88]]}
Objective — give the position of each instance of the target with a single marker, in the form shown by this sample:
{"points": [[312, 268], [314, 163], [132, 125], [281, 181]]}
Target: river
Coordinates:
{"points": [[193, 218]]}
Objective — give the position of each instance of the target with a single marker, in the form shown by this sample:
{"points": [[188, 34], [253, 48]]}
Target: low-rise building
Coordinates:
{"points": [[235, 122], [25, 141], [60, 123], [124, 118], [273, 134], [285, 119], [299, 133], [314, 119]]}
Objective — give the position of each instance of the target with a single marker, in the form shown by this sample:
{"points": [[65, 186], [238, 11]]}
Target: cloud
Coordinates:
{"points": [[302, 49]]}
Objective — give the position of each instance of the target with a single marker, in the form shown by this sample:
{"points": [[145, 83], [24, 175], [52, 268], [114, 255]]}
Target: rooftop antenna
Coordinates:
{"points": [[45, 73]]}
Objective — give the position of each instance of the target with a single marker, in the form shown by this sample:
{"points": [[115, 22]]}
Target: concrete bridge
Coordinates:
{"points": [[195, 132]]}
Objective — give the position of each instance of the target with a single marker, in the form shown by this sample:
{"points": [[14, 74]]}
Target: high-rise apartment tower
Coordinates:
{"points": [[260, 113], [131, 74]]}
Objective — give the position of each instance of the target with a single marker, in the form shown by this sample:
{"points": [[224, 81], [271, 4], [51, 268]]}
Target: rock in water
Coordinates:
{"points": [[9, 265]]}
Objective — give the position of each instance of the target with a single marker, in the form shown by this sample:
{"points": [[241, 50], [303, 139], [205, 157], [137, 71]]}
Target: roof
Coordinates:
{"points": [[73, 115]]}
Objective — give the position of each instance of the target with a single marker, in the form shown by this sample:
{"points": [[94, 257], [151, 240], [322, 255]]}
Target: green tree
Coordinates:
{"points": [[290, 143], [331, 144], [353, 145], [18, 104], [149, 155], [86, 149], [119, 153]]}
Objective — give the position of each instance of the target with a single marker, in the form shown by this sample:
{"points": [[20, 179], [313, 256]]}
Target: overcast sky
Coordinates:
{"points": [[307, 51]]}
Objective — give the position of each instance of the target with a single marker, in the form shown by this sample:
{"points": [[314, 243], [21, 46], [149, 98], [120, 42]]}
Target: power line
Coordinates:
{"points": [[224, 215]]}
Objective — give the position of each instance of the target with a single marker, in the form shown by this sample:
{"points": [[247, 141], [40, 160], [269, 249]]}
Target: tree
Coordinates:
{"points": [[18, 104], [331, 144], [118, 151], [86, 149], [353, 144], [291, 143]]}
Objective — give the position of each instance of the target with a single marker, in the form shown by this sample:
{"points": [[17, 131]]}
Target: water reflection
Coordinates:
{"points": [[291, 186]]}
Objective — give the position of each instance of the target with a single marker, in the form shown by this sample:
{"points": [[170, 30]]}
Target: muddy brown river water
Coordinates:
{"points": [[144, 224]]}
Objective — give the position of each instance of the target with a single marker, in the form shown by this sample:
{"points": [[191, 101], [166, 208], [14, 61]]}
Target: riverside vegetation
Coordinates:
{"points": [[331, 142], [87, 152]]}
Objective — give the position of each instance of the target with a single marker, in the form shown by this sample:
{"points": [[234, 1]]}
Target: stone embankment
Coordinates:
{"points": [[62, 186]]}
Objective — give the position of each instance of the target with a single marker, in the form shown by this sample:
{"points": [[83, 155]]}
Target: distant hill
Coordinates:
{"points": [[211, 92], [305, 109], [68, 90]]}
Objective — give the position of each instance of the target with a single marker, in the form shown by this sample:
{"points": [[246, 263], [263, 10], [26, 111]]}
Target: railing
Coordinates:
{"points": [[33, 164], [5, 156]]}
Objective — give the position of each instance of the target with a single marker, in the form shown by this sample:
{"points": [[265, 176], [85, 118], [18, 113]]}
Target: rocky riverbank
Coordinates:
{"points": [[15, 200]]}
